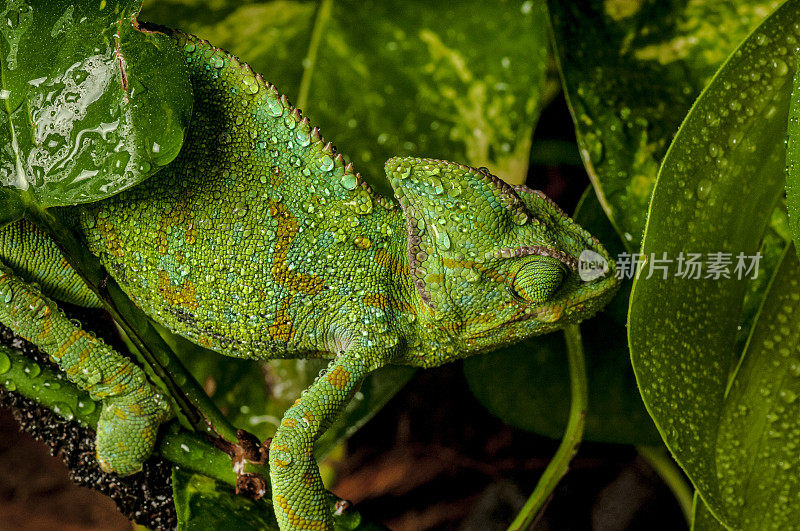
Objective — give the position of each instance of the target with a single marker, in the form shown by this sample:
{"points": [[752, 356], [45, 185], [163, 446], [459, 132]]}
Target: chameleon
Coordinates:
{"points": [[259, 241]]}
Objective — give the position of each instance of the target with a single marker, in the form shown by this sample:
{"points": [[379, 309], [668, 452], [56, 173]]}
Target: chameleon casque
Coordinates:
{"points": [[259, 241]]}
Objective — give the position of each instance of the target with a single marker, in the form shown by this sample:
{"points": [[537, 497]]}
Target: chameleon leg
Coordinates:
{"points": [[298, 495], [132, 409]]}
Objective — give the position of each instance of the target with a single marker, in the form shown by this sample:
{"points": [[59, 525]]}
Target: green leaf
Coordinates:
{"points": [[702, 519], [631, 71], [202, 503], [393, 78], [272, 37], [528, 386], [459, 81], [759, 427], [90, 104], [793, 163], [715, 193]]}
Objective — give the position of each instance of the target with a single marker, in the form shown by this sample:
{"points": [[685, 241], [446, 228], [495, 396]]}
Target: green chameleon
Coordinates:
{"points": [[258, 241]]}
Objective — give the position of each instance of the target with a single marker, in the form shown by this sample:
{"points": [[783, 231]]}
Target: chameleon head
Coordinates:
{"points": [[494, 263]]}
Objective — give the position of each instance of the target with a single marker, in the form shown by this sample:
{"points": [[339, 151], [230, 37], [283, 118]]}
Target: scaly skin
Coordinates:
{"points": [[258, 241]]}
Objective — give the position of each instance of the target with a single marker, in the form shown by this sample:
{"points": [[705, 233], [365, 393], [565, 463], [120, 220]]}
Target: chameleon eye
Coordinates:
{"points": [[538, 279]]}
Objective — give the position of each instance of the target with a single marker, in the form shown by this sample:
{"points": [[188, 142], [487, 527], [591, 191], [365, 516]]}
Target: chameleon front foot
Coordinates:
{"points": [[132, 409], [127, 433], [298, 494]]}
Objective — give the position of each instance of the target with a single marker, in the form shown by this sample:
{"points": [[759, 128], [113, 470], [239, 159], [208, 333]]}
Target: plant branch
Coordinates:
{"points": [[572, 435]]}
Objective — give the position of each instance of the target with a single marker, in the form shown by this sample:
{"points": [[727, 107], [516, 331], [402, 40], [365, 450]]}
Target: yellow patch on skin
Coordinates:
{"points": [[297, 521], [183, 295], [66, 344], [480, 319], [112, 243], [308, 478], [289, 423], [381, 300], [285, 234], [308, 417], [179, 215], [205, 341], [338, 377], [391, 262], [282, 328], [47, 328], [280, 462]]}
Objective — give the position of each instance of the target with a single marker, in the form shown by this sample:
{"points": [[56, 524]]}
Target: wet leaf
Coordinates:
{"points": [[759, 429], [272, 37], [202, 503], [702, 519], [90, 104], [394, 78], [793, 163], [527, 385], [631, 71], [412, 78], [682, 331]]}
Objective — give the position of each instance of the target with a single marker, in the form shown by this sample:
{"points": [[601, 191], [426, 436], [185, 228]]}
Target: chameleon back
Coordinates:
{"points": [[235, 242]]}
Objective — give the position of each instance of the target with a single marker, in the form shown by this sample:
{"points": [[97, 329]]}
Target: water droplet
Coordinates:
{"points": [[436, 183], [302, 137], [326, 163], [788, 396], [64, 410], [32, 369], [780, 66], [349, 181], [703, 189], [86, 407], [275, 107], [442, 239]]}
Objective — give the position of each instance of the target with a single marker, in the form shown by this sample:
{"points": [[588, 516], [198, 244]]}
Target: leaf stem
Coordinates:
{"points": [[572, 435], [323, 15], [664, 465]]}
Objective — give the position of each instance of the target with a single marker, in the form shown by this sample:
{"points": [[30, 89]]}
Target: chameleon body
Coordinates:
{"points": [[259, 241]]}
